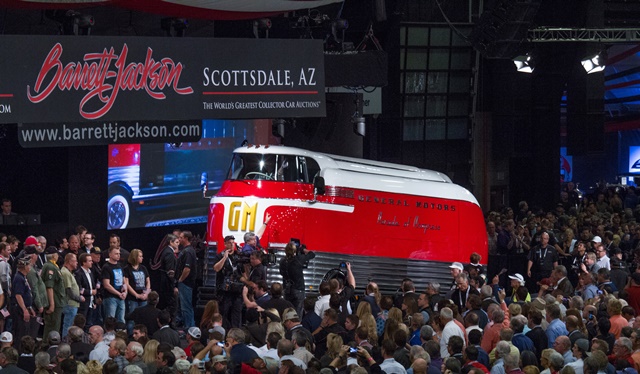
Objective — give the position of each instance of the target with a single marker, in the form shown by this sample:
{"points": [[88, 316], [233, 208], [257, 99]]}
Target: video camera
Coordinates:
{"points": [[243, 258], [300, 250], [268, 259]]}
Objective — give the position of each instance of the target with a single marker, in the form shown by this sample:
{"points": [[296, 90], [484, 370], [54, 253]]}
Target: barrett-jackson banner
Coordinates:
{"points": [[54, 79], [35, 135]]}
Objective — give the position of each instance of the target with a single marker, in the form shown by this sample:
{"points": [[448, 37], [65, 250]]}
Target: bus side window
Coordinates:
{"points": [[300, 177], [312, 168]]}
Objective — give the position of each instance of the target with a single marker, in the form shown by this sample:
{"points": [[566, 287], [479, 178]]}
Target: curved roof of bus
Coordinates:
{"points": [[326, 160]]}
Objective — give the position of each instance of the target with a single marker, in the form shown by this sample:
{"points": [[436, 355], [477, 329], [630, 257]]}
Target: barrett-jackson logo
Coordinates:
{"points": [[95, 75]]}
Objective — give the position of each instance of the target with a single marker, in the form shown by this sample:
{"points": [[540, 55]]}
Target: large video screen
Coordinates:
{"points": [[622, 88], [161, 184]]}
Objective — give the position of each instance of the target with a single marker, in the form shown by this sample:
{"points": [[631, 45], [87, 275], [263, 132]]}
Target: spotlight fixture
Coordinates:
{"points": [[359, 124], [524, 63], [339, 26], [174, 26], [262, 24], [358, 121], [278, 127], [595, 63], [72, 22]]}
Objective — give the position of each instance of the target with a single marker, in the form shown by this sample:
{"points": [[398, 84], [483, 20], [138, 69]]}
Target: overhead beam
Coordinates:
{"points": [[548, 35]]}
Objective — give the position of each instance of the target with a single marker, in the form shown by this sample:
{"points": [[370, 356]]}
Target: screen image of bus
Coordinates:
{"points": [[161, 184]]}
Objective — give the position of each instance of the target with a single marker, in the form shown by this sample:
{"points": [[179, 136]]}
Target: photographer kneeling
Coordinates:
{"points": [[291, 270], [228, 284]]}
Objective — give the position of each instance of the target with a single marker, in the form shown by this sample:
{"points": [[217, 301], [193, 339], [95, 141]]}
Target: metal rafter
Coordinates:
{"points": [[547, 35]]}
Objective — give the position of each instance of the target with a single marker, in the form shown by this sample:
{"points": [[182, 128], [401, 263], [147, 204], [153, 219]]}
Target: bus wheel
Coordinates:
{"points": [[118, 212]]}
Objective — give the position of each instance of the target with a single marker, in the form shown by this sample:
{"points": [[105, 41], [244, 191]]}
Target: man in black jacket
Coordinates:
{"points": [[166, 334], [228, 283], [147, 315], [277, 301], [329, 325], [87, 284], [537, 334], [291, 270]]}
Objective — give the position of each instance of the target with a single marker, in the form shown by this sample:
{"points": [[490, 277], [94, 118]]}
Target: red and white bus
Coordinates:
{"points": [[390, 221]]}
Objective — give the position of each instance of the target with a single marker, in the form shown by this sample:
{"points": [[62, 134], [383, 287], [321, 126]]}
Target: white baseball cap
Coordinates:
{"points": [[456, 265], [517, 277], [597, 239], [6, 337], [195, 332]]}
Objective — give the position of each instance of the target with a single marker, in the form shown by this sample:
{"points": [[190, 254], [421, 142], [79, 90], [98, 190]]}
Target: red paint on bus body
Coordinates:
{"points": [[381, 224]]}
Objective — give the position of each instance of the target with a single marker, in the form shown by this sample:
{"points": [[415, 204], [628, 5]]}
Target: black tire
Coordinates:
{"points": [[118, 211]]}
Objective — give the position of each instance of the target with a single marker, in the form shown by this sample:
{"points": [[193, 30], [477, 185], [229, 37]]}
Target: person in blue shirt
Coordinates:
{"points": [[417, 321], [520, 340], [556, 326]]}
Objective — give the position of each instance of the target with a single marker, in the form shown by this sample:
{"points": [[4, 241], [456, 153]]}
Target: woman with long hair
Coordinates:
{"points": [[568, 243], [369, 323], [139, 284], [434, 322], [210, 309], [334, 343], [372, 297], [544, 360], [363, 309], [275, 327], [390, 327], [395, 313], [165, 261], [409, 307], [91, 367], [150, 354]]}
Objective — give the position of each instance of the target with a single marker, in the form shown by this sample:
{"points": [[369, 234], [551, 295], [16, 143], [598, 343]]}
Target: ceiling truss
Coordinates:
{"points": [[610, 35]]}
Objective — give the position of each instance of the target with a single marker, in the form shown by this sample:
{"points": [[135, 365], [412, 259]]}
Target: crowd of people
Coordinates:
{"points": [[560, 294]]}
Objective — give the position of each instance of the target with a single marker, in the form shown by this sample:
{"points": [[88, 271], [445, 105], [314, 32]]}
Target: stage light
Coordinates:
{"points": [[359, 124], [594, 64], [174, 26], [339, 26], [262, 24], [278, 127], [358, 121], [72, 22], [524, 63]]}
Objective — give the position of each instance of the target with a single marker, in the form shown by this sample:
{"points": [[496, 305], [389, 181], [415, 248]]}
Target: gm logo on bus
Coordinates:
{"points": [[242, 216]]}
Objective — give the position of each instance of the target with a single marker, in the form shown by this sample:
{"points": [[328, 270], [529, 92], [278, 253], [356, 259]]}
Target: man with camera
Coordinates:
{"points": [[228, 282], [296, 258], [254, 270]]}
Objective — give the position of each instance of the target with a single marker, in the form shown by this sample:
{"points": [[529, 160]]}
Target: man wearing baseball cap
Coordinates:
{"points": [[193, 336], [595, 241], [6, 339], [517, 281], [54, 285], [219, 364], [455, 269], [40, 301], [31, 240]]}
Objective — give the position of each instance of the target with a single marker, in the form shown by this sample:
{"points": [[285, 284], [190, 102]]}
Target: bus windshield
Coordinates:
{"points": [[252, 166]]}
